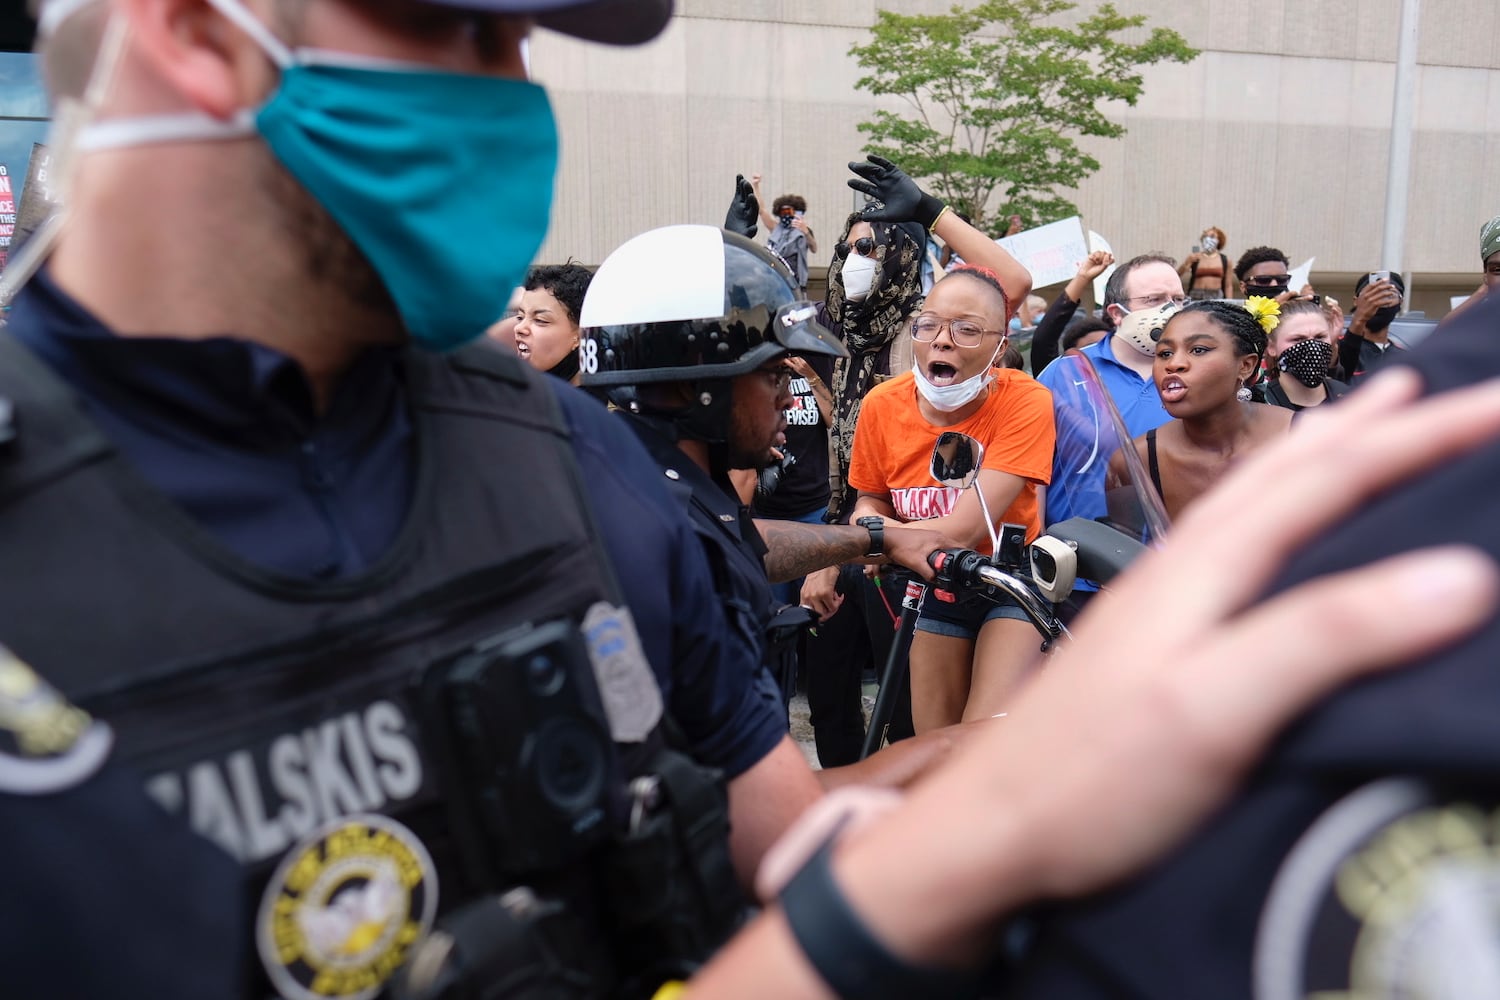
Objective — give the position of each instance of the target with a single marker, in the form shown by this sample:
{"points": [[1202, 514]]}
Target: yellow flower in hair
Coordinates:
{"points": [[1267, 312]]}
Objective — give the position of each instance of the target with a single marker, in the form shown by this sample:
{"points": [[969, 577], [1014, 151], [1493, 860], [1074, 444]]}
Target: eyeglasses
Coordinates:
{"points": [[1268, 280], [779, 376], [864, 246], [1158, 300], [964, 333]]}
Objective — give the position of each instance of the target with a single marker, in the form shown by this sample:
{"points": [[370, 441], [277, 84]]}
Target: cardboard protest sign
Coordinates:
{"points": [[1051, 252], [1097, 243]]}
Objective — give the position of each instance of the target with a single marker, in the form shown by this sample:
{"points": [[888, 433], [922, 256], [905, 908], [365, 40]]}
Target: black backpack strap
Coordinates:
{"points": [[46, 434]]}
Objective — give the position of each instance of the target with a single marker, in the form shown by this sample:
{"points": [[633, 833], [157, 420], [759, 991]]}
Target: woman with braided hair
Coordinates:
{"points": [[1207, 356]]}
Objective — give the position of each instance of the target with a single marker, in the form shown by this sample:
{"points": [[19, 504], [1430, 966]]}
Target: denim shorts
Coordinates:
{"points": [[962, 619]]}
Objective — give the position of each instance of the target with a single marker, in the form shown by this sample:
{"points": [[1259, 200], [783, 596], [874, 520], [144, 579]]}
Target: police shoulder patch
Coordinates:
{"points": [[46, 744], [1393, 892], [345, 908]]}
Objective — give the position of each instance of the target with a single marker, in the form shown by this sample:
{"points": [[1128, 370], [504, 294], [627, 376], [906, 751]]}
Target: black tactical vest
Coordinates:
{"points": [[266, 709]]}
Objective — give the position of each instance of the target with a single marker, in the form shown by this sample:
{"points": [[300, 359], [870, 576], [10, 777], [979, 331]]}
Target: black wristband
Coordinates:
{"points": [[843, 951], [928, 210], [875, 525]]}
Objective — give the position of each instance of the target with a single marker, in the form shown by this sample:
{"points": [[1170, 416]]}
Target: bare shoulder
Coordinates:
{"points": [[1271, 421]]}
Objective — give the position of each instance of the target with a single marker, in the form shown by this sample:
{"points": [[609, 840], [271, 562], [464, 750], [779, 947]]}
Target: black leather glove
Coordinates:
{"points": [[744, 209], [901, 200]]}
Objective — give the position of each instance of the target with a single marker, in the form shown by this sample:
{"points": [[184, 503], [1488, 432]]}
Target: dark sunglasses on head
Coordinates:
{"points": [[864, 246]]}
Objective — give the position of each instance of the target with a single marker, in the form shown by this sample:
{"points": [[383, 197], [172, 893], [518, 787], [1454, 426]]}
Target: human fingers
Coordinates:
{"points": [[1326, 468], [881, 162], [798, 364], [1444, 594], [869, 170], [1162, 736]]}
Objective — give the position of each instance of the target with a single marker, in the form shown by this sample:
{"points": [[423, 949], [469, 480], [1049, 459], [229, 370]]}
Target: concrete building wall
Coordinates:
{"points": [[1277, 133]]}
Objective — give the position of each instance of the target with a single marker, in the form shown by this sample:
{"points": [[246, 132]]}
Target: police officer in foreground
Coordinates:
{"points": [[239, 549], [338, 587]]}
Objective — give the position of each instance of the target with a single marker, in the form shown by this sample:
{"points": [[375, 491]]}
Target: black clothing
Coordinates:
{"points": [[857, 639], [736, 552], [1151, 463], [105, 894], [1271, 392], [1359, 357], [803, 486], [330, 723], [1188, 928], [1047, 338], [273, 709]]}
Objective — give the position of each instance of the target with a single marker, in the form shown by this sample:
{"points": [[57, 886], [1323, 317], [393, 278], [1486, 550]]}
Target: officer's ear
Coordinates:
{"points": [[191, 50]]}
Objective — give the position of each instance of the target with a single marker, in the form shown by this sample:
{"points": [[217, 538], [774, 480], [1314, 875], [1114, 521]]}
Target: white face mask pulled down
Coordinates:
{"points": [[947, 398], [858, 273]]}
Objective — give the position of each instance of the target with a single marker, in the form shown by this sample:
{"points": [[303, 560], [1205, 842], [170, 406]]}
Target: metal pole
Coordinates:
{"points": [[1403, 113]]}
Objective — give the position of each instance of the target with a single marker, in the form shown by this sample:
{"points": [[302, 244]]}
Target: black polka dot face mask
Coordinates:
{"points": [[1307, 361]]}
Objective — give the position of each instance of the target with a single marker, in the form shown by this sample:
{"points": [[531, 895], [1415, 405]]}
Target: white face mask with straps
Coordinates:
{"points": [[184, 126], [858, 273], [947, 398]]}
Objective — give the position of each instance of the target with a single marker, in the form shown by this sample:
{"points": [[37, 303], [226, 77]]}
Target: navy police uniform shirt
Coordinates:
{"points": [[735, 549], [228, 429], [1363, 858]]}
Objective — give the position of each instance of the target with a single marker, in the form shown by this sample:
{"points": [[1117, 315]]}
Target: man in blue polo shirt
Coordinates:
{"points": [[1123, 362]]}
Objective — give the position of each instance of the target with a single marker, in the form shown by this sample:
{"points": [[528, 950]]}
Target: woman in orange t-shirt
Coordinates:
{"points": [[966, 658]]}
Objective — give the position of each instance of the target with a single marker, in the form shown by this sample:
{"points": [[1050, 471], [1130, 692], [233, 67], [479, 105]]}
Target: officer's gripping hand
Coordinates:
{"points": [[910, 546], [744, 209], [901, 200]]}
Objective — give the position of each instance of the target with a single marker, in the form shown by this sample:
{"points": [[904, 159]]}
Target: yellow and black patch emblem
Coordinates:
{"points": [[46, 744], [1394, 892], [345, 908]]}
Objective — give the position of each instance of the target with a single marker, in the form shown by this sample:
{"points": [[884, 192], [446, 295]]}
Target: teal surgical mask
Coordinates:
{"points": [[442, 180]]}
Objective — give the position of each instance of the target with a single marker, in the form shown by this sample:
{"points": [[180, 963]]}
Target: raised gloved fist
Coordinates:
{"points": [[900, 198], [744, 209]]}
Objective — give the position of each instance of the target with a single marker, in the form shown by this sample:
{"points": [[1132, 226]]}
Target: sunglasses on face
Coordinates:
{"points": [[1268, 280], [864, 246]]}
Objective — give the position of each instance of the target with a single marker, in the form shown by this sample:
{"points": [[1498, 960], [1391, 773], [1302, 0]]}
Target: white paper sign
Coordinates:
{"points": [[1051, 253], [1096, 244], [1300, 274]]}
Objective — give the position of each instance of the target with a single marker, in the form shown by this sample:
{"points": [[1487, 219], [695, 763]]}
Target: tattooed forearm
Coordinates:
{"points": [[797, 549]]}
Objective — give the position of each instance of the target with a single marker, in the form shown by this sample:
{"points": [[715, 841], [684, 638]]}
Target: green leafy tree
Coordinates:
{"points": [[998, 93]]}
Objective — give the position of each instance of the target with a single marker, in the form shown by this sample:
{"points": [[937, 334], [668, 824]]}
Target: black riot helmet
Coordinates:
{"points": [[693, 304]]}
